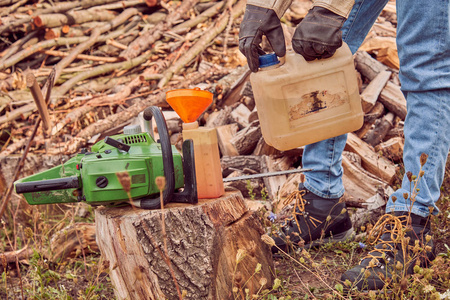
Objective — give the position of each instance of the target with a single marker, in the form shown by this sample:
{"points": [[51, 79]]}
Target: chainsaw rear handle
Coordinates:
{"points": [[48, 185], [167, 156]]}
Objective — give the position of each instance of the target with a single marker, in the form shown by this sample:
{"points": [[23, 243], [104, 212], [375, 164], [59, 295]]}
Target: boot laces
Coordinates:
{"points": [[299, 209], [395, 226]]}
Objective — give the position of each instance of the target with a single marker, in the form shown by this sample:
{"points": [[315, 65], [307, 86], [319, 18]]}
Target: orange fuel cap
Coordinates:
{"points": [[189, 104]]}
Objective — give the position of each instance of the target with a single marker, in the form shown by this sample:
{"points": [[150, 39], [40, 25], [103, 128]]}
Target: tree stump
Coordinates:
{"points": [[202, 241]]}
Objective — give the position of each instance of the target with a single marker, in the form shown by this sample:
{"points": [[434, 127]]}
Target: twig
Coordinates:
{"points": [[230, 24], [82, 56], [210, 12], [116, 44], [35, 90], [202, 43], [17, 45], [12, 8], [150, 37], [125, 15], [14, 59], [19, 167], [70, 18], [58, 8], [48, 87], [125, 65]]}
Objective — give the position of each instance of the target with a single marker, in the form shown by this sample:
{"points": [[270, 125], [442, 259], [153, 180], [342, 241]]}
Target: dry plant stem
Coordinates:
{"points": [[20, 277], [303, 284], [202, 43], [150, 37], [309, 270]]}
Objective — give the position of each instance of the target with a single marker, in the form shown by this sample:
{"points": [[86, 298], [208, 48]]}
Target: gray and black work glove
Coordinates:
{"points": [[319, 34], [259, 21]]}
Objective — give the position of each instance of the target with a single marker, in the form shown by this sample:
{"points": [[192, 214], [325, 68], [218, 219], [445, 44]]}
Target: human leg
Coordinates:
{"points": [[321, 216], [423, 39], [325, 157]]}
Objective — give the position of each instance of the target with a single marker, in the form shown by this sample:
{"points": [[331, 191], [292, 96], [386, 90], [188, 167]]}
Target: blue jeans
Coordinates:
{"points": [[423, 40]]}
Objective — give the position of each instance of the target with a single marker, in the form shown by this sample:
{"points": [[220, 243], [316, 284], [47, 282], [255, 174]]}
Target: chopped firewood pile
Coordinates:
{"points": [[112, 59]]}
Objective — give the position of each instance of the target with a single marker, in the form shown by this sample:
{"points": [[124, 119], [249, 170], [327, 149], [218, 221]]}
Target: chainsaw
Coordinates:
{"points": [[93, 176]]}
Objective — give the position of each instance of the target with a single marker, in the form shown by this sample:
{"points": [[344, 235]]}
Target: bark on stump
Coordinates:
{"points": [[202, 242]]}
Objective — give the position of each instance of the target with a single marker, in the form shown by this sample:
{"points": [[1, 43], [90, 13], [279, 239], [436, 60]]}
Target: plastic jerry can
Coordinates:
{"points": [[207, 160], [300, 102]]}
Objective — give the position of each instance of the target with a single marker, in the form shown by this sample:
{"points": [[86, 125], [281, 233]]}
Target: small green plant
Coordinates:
{"points": [[249, 187], [264, 194]]}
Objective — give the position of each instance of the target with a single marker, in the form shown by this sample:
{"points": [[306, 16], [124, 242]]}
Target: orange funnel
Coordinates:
{"points": [[189, 103]]}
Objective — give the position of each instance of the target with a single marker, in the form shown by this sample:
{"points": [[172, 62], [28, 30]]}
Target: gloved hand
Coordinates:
{"points": [[258, 21], [319, 34]]}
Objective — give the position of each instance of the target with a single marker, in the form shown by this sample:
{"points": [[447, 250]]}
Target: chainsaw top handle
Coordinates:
{"points": [[167, 156]]}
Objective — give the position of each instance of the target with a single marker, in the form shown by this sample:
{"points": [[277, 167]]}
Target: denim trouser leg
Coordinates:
{"points": [[423, 41], [325, 157]]}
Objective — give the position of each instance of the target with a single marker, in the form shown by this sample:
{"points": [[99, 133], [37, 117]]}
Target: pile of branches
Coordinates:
{"points": [[111, 59]]}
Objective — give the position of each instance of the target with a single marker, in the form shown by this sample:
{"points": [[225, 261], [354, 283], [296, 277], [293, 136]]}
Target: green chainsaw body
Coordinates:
{"points": [[93, 176]]}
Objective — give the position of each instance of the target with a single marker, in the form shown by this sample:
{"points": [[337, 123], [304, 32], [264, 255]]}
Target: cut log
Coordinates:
{"points": [[370, 119], [377, 43], [397, 131], [245, 140], [394, 100], [224, 135], [241, 115], [371, 161], [76, 17], [219, 118], [250, 188], [262, 148], [375, 136], [359, 184], [232, 163], [370, 95], [392, 148], [389, 57], [368, 66], [203, 241], [274, 183], [238, 88]]}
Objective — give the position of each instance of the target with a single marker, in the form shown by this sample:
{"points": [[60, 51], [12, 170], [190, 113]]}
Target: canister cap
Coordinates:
{"points": [[268, 60]]}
